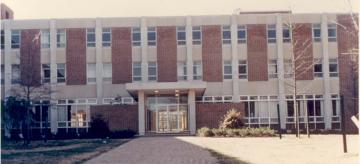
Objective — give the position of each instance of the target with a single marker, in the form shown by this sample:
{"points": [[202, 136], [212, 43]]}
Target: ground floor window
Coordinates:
{"points": [[260, 110], [73, 113], [41, 114]]}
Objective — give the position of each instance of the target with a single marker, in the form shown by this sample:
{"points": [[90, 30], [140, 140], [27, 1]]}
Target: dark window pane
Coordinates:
{"points": [[196, 35], [106, 37], [290, 107], [181, 36], [310, 107], [317, 33], [272, 34], [318, 68], [241, 34], [136, 36], [226, 35]]}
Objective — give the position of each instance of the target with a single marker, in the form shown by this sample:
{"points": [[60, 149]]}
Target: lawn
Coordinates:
{"points": [[56, 151]]}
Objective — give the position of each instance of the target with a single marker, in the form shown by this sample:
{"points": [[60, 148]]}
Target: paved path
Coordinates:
{"points": [[156, 150]]}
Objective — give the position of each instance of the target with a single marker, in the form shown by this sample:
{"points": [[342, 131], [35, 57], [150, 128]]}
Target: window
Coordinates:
{"points": [[226, 35], [2, 41], [242, 69], [136, 36], [318, 72], [288, 68], [335, 104], [91, 73], [196, 35], [15, 39], [15, 74], [2, 74], [106, 37], [90, 37], [136, 71], [290, 108], [227, 70], [152, 71], [151, 36], [61, 73], [181, 35], [286, 34], [316, 32], [332, 32], [107, 72], [333, 68], [197, 70], [60, 38], [46, 73], [182, 71], [272, 68], [241, 34], [45, 38], [271, 33]]}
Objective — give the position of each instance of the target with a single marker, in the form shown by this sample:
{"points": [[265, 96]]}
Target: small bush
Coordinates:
{"points": [[205, 132], [219, 132], [232, 120], [127, 133], [99, 128]]}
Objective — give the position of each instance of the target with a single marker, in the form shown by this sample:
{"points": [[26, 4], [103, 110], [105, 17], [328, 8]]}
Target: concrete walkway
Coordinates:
{"points": [[156, 150]]}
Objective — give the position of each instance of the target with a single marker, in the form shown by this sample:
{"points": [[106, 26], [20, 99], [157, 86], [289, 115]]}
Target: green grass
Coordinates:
{"points": [[57, 151]]}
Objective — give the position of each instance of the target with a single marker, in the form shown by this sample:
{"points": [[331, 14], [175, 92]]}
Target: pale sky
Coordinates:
{"points": [[40, 9]]}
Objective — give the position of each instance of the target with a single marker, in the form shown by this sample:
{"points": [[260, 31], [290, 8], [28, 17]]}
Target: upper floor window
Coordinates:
{"points": [[332, 32], [227, 72], [15, 39], [242, 69], [136, 36], [226, 35], [106, 37], [45, 38], [151, 33], [286, 34], [271, 33], [136, 71], [182, 71], [333, 68], [318, 71], [288, 68], [15, 74], [152, 71], [60, 38], [61, 73], [46, 73], [316, 32], [107, 72], [241, 34], [181, 35], [272, 68], [196, 35], [91, 73], [2, 40], [197, 70], [2, 74], [90, 37]]}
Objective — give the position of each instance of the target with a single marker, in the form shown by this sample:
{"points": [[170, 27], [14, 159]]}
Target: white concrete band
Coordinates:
{"points": [[141, 112], [234, 59], [144, 50], [189, 45], [99, 63], [192, 112]]}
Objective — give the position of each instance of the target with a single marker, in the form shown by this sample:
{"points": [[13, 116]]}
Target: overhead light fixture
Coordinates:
{"points": [[176, 91], [156, 91], [177, 95]]}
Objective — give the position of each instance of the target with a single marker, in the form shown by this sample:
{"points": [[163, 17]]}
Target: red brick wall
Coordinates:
{"points": [[121, 55], [30, 57], [347, 37], [76, 56], [257, 53], [210, 114], [303, 51], [166, 54], [211, 53], [118, 117]]}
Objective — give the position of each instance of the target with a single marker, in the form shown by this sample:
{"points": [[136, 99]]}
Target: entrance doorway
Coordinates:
{"points": [[171, 118]]}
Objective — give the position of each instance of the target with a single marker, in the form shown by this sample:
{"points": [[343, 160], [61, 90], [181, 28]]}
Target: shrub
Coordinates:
{"points": [[99, 128], [127, 133], [219, 132], [205, 132], [230, 132], [232, 120]]}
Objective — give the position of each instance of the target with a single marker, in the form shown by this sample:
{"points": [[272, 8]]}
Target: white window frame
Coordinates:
{"points": [[91, 74], [334, 62], [317, 62], [196, 29], [15, 74], [136, 78], [182, 71], [288, 38], [107, 76], [225, 29], [271, 28], [180, 30], [316, 27], [243, 76], [151, 30], [90, 31], [135, 30], [273, 63], [152, 65], [241, 28], [15, 33], [197, 66], [106, 31], [60, 34], [45, 38], [45, 67], [63, 67], [227, 75], [332, 38]]}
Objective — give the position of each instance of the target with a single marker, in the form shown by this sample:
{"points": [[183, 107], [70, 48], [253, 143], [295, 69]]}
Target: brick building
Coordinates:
{"points": [[177, 74]]}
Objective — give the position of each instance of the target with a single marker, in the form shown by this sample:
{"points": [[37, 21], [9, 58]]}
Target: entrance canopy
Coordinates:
{"points": [[166, 87]]}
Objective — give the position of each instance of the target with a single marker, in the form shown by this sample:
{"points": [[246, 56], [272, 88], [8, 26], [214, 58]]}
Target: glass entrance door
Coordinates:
{"points": [[171, 118]]}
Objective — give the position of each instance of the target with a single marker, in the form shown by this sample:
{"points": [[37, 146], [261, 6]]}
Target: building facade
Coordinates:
{"points": [[177, 74]]}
